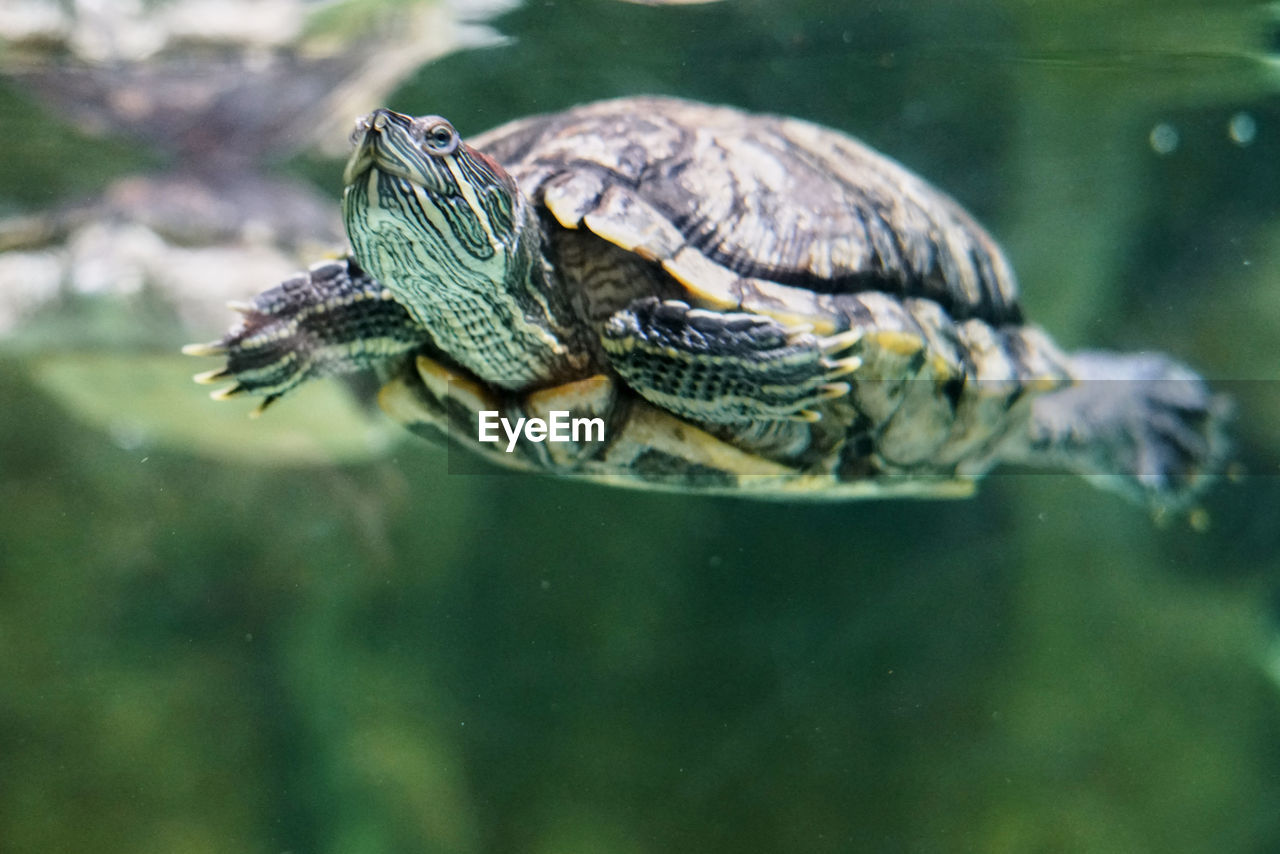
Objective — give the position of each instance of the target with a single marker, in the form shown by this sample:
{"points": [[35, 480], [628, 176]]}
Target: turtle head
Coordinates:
{"points": [[428, 152], [414, 180], [447, 231]]}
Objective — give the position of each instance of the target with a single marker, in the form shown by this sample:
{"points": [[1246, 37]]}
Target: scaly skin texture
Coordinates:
{"points": [[806, 301], [454, 240]]}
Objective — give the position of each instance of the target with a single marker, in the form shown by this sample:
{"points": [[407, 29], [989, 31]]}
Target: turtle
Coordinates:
{"points": [[725, 301]]}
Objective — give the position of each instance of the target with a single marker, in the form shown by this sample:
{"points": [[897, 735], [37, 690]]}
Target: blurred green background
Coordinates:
{"points": [[304, 634]]}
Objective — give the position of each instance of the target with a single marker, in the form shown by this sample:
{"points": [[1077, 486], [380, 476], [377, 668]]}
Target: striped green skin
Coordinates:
{"points": [[717, 367], [445, 230]]}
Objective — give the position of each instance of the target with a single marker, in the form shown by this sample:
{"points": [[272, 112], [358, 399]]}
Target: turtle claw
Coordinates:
{"points": [[262, 406], [213, 348], [210, 377], [843, 367], [241, 306], [833, 344], [830, 391], [824, 392], [228, 392]]}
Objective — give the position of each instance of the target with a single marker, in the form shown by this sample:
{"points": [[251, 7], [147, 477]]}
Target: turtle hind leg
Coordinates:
{"points": [[723, 367], [333, 319], [1141, 424]]}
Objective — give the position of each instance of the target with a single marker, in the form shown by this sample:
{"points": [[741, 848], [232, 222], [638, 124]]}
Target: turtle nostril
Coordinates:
{"points": [[359, 131]]}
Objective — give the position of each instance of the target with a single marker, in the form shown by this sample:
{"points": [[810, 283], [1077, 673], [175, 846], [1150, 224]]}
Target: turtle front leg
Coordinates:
{"points": [[724, 367], [332, 319]]}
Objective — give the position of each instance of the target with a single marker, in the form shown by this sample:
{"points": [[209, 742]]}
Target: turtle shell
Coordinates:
{"points": [[785, 208], [739, 303]]}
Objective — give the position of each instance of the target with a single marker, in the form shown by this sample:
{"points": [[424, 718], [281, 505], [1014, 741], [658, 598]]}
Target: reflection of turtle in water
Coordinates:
{"points": [[201, 105], [159, 178], [749, 303]]}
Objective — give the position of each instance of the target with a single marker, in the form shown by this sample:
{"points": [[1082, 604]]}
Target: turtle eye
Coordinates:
{"points": [[440, 139]]}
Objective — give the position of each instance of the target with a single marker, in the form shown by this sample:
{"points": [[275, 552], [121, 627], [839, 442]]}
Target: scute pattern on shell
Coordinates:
{"points": [[773, 198]]}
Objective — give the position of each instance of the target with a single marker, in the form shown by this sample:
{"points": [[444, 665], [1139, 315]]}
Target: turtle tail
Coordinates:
{"points": [[1137, 423]]}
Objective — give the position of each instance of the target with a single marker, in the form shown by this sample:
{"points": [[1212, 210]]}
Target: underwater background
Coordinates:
{"points": [[305, 633]]}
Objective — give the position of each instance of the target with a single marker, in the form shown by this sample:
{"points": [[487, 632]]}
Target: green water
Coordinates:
{"points": [[203, 651]]}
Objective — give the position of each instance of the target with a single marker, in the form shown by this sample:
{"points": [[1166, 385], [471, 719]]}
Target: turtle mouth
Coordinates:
{"points": [[391, 143]]}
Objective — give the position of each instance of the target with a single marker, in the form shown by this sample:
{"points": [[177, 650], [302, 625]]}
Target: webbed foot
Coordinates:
{"points": [[332, 319], [725, 367], [1140, 423]]}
